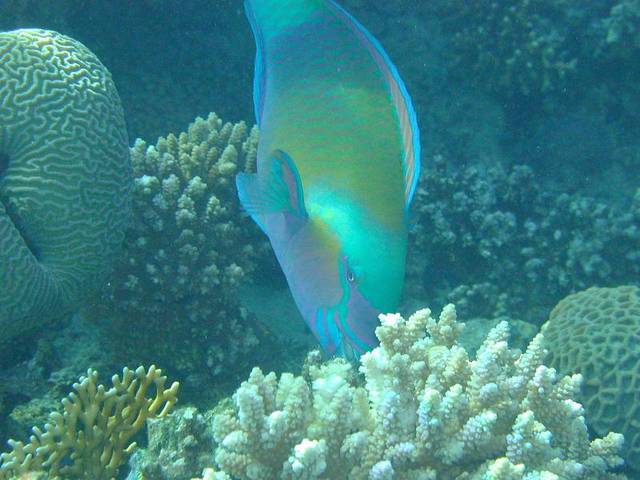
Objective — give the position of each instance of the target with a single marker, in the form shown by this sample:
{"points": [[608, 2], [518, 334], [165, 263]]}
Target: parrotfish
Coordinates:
{"points": [[337, 167]]}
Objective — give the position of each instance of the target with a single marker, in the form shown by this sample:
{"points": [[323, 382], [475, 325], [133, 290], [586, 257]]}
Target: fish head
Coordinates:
{"points": [[343, 265], [341, 287], [372, 277]]}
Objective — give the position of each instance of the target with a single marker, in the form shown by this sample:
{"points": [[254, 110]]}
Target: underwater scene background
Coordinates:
{"points": [[526, 217]]}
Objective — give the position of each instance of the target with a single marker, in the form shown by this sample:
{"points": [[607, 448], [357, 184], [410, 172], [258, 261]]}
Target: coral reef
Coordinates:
{"points": [[496, 240], [519, 48], [65, 177], [185, 242], [34, 384], [187, 250], [91, 438], [621, 26], [426, 410], [211, 474], [533, 48], [541, 57], [180, 446], [595, 333]]}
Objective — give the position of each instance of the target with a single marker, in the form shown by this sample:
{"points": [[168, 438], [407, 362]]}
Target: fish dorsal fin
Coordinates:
{"points": [[401, 100], [277, 188]]}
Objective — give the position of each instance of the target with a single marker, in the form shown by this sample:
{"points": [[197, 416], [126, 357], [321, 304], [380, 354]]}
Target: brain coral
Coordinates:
{"points": [[65, 176], [597, 333]]}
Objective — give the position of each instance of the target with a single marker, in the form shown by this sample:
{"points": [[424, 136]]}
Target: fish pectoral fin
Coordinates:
{"points": [[248, 187], [277, 188], [286, 182]]}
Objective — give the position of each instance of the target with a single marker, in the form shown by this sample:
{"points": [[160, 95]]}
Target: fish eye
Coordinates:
{"points": [[351, 276], [349, 272]]}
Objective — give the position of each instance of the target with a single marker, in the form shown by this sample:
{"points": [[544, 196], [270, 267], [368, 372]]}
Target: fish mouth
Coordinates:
{"points": [[340, 335]]}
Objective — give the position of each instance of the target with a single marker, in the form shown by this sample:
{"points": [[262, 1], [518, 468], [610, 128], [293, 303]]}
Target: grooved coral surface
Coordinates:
{"points": [[596, 332], [65, 176]]}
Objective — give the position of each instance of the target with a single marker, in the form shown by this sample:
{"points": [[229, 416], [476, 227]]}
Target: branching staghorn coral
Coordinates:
{"points": [[91, 438], [188, 248], [426, 411], [65, 177]]}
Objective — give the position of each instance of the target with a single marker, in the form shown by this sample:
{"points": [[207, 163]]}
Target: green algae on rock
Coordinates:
{"points": [[65, 177]]}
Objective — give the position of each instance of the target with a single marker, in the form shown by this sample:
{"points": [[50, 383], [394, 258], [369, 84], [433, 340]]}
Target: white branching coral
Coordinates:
{"points": [[186, 242], [187, 251], [425, 411]]}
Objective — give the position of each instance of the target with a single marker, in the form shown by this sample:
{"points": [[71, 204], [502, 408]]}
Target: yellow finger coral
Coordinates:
{"points": [[65, 176], [91, 438]]}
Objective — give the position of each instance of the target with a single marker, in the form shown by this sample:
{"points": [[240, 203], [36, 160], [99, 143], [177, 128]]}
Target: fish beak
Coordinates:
{"points": [[346, 351]]}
